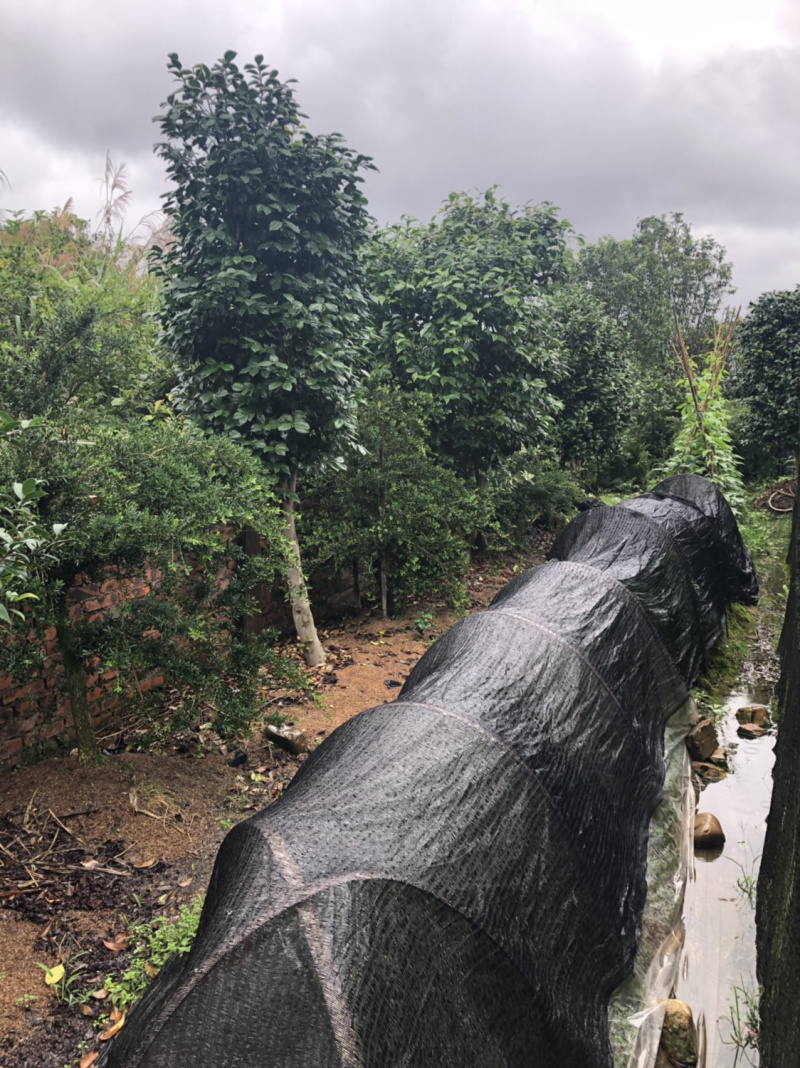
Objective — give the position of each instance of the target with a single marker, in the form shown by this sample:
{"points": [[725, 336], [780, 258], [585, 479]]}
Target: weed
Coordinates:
{"points": [[423, 622], [152, 945], [26, 1001], [743, 1019], [748, 880], [61, 979]]}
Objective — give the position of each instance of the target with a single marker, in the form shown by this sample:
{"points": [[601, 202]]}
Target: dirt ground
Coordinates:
{"points": [[86, 852]]}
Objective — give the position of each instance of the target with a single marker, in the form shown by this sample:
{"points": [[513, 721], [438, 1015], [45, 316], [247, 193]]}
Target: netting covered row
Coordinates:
{"points": [[457, 878]]}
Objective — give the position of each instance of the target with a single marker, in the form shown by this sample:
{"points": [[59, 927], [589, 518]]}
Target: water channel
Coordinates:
{"points": [[717, 964]]}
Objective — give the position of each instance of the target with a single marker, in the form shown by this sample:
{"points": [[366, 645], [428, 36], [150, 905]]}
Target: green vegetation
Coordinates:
{"points": [[402, 396], [704, 442], [151, 945], [767, 381], [262, 304]]}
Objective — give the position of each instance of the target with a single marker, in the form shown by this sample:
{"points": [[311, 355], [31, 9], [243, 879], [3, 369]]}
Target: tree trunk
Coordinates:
{"points": [[356, 583], [384, 589], [313, 653], [75, 682], [384, 595], [254, 623]]}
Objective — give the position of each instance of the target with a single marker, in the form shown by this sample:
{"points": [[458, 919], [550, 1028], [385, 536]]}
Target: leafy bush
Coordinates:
{"points": [[766, 378], [529, 489], [163, 495], [396, 512]]}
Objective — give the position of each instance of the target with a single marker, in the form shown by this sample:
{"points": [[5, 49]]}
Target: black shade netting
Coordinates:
{"points": [[457, 878]]}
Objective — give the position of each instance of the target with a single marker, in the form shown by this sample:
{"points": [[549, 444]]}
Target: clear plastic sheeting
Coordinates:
{"points": [[459, 878], [636, 1009]]}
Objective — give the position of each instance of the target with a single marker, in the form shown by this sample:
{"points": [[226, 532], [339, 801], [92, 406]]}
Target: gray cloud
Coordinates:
{"points": [[445, 96]]}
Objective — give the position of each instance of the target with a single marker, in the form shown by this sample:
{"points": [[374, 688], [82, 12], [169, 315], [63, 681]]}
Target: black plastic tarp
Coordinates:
{"points": [[457, 878]]}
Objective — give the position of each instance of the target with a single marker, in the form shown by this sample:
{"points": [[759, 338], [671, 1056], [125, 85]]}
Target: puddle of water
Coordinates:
{"points": [[719, 915]]}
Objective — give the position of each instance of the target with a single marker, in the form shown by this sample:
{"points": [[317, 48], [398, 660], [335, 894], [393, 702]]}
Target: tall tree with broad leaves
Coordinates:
{"points": [[458, 313], [766, 375], [262, 301], [640, 281]]}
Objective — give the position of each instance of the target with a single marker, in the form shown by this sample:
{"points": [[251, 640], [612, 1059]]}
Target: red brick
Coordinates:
{"points": [[50, 730], [109, 585], [93, 605], [112, 674], [8, 749], [110, 702], [50, 634], [30, 722]]}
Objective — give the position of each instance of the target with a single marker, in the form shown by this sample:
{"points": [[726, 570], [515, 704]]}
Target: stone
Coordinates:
{"points": [[758, 714], [678, 1039], [708, 833], [751, 730], [290, 738], [720, 758], [708, 772], [701, 741]]}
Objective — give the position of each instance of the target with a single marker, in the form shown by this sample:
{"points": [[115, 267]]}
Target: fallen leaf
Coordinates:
{"points": [[120, 942], [261, 770], [116, 1015], [90, 863], [151, 970], [86, 1011], [89, 1059], [151, 863], [54, 975], [114, 1029], [100, 995], [184, 883]]}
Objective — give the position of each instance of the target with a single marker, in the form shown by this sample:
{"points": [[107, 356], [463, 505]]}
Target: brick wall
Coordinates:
{"points": [[35, 718]]}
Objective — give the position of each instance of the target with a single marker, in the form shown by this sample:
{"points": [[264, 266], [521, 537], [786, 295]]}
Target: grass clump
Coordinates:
{"points": [[152, 945]]}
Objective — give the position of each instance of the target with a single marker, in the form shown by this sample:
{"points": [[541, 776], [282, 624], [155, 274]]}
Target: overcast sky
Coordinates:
{"points": [[611, 109]]}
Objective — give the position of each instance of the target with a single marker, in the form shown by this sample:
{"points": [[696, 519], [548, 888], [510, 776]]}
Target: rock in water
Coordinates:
{"points": [[709, 772], [701, 741], [751, 730], [708, 833], [758, 714], [678, 1039]]}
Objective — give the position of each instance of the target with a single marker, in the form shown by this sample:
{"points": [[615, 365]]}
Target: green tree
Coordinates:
{"points": [[133, 494], [640, 281], [458, 314], [262, 301], [76, 323], [766, 376], [25, 544], [395, 511], [594, 381]]}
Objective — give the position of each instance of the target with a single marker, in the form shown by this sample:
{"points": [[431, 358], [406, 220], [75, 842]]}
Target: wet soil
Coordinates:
{"points": [[85, 852]]}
